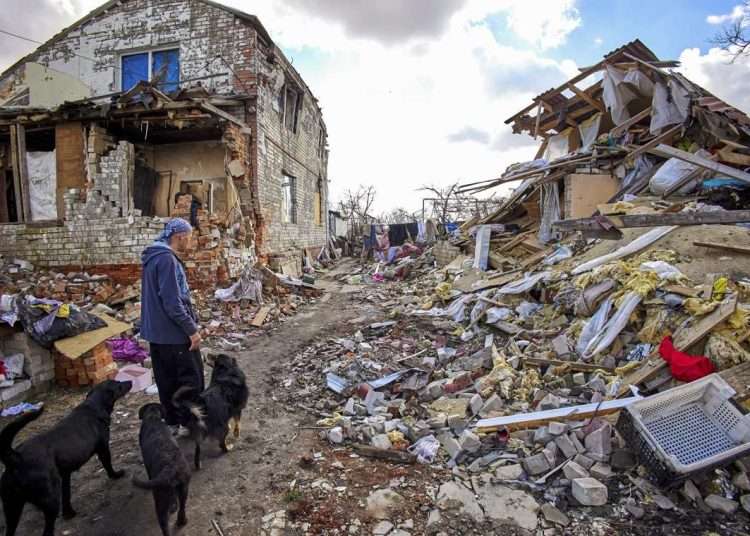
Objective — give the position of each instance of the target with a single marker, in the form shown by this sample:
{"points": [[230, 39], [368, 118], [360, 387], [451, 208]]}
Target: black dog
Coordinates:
{"points": [[39, 471], [218, 407], [168, 471]]}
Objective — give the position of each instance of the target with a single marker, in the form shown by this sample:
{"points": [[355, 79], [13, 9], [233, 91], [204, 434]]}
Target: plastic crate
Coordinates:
{"points": [[686, 430]]}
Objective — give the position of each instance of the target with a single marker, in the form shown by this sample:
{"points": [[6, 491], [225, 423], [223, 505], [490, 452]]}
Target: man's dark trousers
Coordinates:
{"points": [[176, 366]]}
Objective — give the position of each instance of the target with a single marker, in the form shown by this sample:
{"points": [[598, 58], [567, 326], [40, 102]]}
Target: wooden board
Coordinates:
{"points": [[739, 379], [683, 340], [584, 192], [23, 172], [16, 173], [75, 347], [665, 151], [657, 219], [725, 247], [260, 316], [69, 153], [683, 290], [572, 365], [521, 421]]}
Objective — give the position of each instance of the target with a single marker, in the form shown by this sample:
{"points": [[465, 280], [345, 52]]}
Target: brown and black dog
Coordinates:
{"points": [[39, 470], [168, 471], [219, 407]]}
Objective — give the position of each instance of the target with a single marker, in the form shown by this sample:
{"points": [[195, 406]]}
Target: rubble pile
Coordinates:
{"points": [[514, 381]]}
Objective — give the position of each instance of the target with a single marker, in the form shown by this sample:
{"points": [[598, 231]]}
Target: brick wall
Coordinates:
{"points": [[210, 40], [280, 151], [80, 242]]}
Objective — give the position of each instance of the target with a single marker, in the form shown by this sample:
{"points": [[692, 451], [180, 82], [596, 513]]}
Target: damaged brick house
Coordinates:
{"points": [[104, 124]]}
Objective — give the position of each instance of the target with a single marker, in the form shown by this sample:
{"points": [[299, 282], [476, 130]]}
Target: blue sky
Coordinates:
{"points": [[415, 92]]}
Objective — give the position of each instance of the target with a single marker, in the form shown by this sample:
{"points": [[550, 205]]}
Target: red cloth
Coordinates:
{"points": [[684, 367]]}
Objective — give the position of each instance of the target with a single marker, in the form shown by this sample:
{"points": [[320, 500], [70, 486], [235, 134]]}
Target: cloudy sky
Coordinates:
{"points": [[415, 92]]}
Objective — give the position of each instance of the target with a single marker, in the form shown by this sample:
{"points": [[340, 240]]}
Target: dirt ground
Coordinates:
{"points": [[237, 489]]}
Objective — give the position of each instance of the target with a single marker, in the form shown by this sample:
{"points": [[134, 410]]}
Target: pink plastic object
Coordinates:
{"points": [[141, 377]]}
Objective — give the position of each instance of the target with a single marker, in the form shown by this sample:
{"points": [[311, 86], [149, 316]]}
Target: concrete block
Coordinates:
{"points": [[536, 465], [722, 504], [469, 441], [572, 471], [557, 428], [601, 471], [589, 492], [584, 461], [566, 446], [599, 444]]}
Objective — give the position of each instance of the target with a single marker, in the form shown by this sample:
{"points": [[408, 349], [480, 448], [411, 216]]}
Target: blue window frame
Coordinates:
{"points": [[163, 65]]}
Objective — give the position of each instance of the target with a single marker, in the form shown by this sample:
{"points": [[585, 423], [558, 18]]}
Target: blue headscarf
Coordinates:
{"points": [[174, 226]]}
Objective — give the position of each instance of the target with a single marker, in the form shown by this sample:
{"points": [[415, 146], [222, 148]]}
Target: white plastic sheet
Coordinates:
{"points": [[593, 326], [663, 269], [522, 285], [549, 204], [589, 131], [527, 309], [670, 105], [560, 254], [638, 82], [497, 313], [642, 165], [42, 171], [635, 246], [482, 249], [672, 172], [614, 326], [616, 95], [558, 145], [426, 448]]}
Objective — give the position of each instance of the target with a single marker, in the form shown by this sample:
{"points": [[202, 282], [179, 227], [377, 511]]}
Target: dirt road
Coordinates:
{"points": [[236, 490]]}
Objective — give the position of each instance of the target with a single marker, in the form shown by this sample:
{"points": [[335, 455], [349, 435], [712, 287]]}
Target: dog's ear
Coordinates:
{"points": [[141, 411]]}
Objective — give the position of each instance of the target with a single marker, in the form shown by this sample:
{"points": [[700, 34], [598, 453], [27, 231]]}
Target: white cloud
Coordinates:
{"points": [[598, 41], [716, 72], [395, 109], [737, 13], [544, 23]]}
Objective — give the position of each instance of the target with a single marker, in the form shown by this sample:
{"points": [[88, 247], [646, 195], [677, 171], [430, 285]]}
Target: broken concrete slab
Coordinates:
{"points": [[554, 515], [509, 472], [469, 441], [382, 503], [507, 505], [454, 496]]}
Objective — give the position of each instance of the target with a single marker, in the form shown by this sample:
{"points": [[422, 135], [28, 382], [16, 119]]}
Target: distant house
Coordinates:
{"points": [[139, 100]]}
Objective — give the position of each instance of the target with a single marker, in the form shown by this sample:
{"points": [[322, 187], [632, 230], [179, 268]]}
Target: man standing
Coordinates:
{"points": [[168, 321]]}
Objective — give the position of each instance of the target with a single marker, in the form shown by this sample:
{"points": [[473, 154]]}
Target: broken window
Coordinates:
{"points": [[288, 199], [159, 66], [291, 104]]}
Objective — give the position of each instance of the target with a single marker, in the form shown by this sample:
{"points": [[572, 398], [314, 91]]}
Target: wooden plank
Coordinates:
{"points": [[572, 365], [75, 347], [738, 378], [513, 243], [657, 219], [656, 141], [4, 217], [586, 97], [637, 118], [665, 151], [221, 113], [535, 258], [23, 171], [645, 64], [725, 247], [683, 339], [583, 192], [535, 419], [69, 155], [260, 316], [683, 290], [689, 335], [727, 154], [16, 172]]}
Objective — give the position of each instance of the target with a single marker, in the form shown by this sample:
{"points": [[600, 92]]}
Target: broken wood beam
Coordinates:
{"points": [[665, 151], [397, 456], [726, 247], [630, 122], [654, 220], [656, 141]]}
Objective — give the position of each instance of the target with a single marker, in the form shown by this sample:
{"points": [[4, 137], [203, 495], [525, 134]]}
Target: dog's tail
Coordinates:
{"points": [[9, 456], [165, 479], [183, 398]]}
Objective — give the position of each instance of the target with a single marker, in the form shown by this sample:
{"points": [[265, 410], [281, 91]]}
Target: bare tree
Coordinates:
{"points": [[356, 205], [398, 215], [735, 37]]}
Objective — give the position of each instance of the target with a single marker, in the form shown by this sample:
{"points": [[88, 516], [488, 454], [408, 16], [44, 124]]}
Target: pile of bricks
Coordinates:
{"points": [[92, 368], [212, 259], [79, 288]]}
